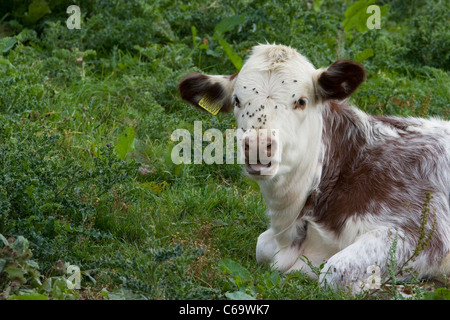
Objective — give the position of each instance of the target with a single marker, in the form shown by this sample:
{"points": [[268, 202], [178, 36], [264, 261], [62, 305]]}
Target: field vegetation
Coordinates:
{"points": [[86, 117]]}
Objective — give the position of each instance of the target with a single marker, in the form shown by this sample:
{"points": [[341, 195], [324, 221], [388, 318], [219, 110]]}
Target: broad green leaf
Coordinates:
{"points": [[59, 288], [28, 296], [228, 24], [47, 286], [234, 269], [356, 15], [438, 294], [20, 244], [3, 239], [33, 264], [6, 62], [233, 56], [15, 273], [36, 10], [252, 183], [239, 295], [123, 294], [317, 4], [125, 142], [25, 35], [273, 280], [365, 54], [7, 43], [104, 293]]}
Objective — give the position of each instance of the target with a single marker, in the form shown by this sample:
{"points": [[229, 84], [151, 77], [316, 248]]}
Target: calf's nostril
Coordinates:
{"points": [[247, 147], [247, 143], [269, 149]]}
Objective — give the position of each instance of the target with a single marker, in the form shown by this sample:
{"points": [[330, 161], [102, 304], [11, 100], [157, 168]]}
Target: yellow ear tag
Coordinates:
{"points": [[209, 105]]}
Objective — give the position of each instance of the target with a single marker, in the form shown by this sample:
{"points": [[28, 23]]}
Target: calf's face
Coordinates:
{"points": [[276, 98]]}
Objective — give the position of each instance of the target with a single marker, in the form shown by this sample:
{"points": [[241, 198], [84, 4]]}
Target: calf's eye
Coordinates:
{"points": [[237, 103], [300, 103]]}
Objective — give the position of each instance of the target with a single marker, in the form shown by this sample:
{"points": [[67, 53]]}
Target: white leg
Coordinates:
{"points": [[302, 265], [314, 249], [349, 266], [292, 257], [266, 247], [269, 252]]}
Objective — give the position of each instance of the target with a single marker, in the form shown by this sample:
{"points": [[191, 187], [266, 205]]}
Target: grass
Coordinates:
{"points": [[137, 225]]}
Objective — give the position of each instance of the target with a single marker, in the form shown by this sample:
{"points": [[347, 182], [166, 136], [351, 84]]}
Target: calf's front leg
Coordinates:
{"points": [[348, 267], [266, 247]]}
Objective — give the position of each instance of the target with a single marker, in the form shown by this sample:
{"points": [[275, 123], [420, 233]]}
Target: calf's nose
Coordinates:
{"points": [[258, 148]]}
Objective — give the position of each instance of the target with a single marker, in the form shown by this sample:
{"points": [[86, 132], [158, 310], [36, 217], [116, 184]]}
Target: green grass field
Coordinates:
{"points": [[86, 117]]}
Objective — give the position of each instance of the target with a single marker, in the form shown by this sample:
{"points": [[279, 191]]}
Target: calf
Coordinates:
{"points": [[346, 185]]}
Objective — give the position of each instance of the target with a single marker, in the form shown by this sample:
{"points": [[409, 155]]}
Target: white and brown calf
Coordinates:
{"points": [[346, 183]]}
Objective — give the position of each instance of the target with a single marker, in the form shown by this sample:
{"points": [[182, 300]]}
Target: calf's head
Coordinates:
{"points": [[277, 99]]}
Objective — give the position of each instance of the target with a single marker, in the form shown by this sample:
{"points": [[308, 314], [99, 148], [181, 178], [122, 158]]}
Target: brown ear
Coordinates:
{"points": [[340, 80], [217, 89]]}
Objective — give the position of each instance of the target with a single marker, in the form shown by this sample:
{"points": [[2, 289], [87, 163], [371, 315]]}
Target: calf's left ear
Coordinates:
{"points": [[201, 90], [339, 80]]}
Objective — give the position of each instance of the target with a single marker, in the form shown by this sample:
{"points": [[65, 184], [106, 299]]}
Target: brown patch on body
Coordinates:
{"points": [[361, 178], [393, 122]]}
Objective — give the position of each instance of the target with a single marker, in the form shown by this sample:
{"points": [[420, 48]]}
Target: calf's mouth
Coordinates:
{"points": [[258, 168]]}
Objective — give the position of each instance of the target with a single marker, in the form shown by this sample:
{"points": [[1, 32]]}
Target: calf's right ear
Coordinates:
{"points": [[339, 80], [204, 91]]}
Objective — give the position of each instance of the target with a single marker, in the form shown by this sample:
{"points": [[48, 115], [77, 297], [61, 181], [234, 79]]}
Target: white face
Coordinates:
{"points": [[274, 90], [277, 89]]}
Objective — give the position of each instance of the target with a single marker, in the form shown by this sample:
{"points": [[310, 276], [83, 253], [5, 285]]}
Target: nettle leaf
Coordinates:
{"points": [[125, 143], [273, 280], [7, 43], [234, 269], [239, 295], [228, 24]]}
